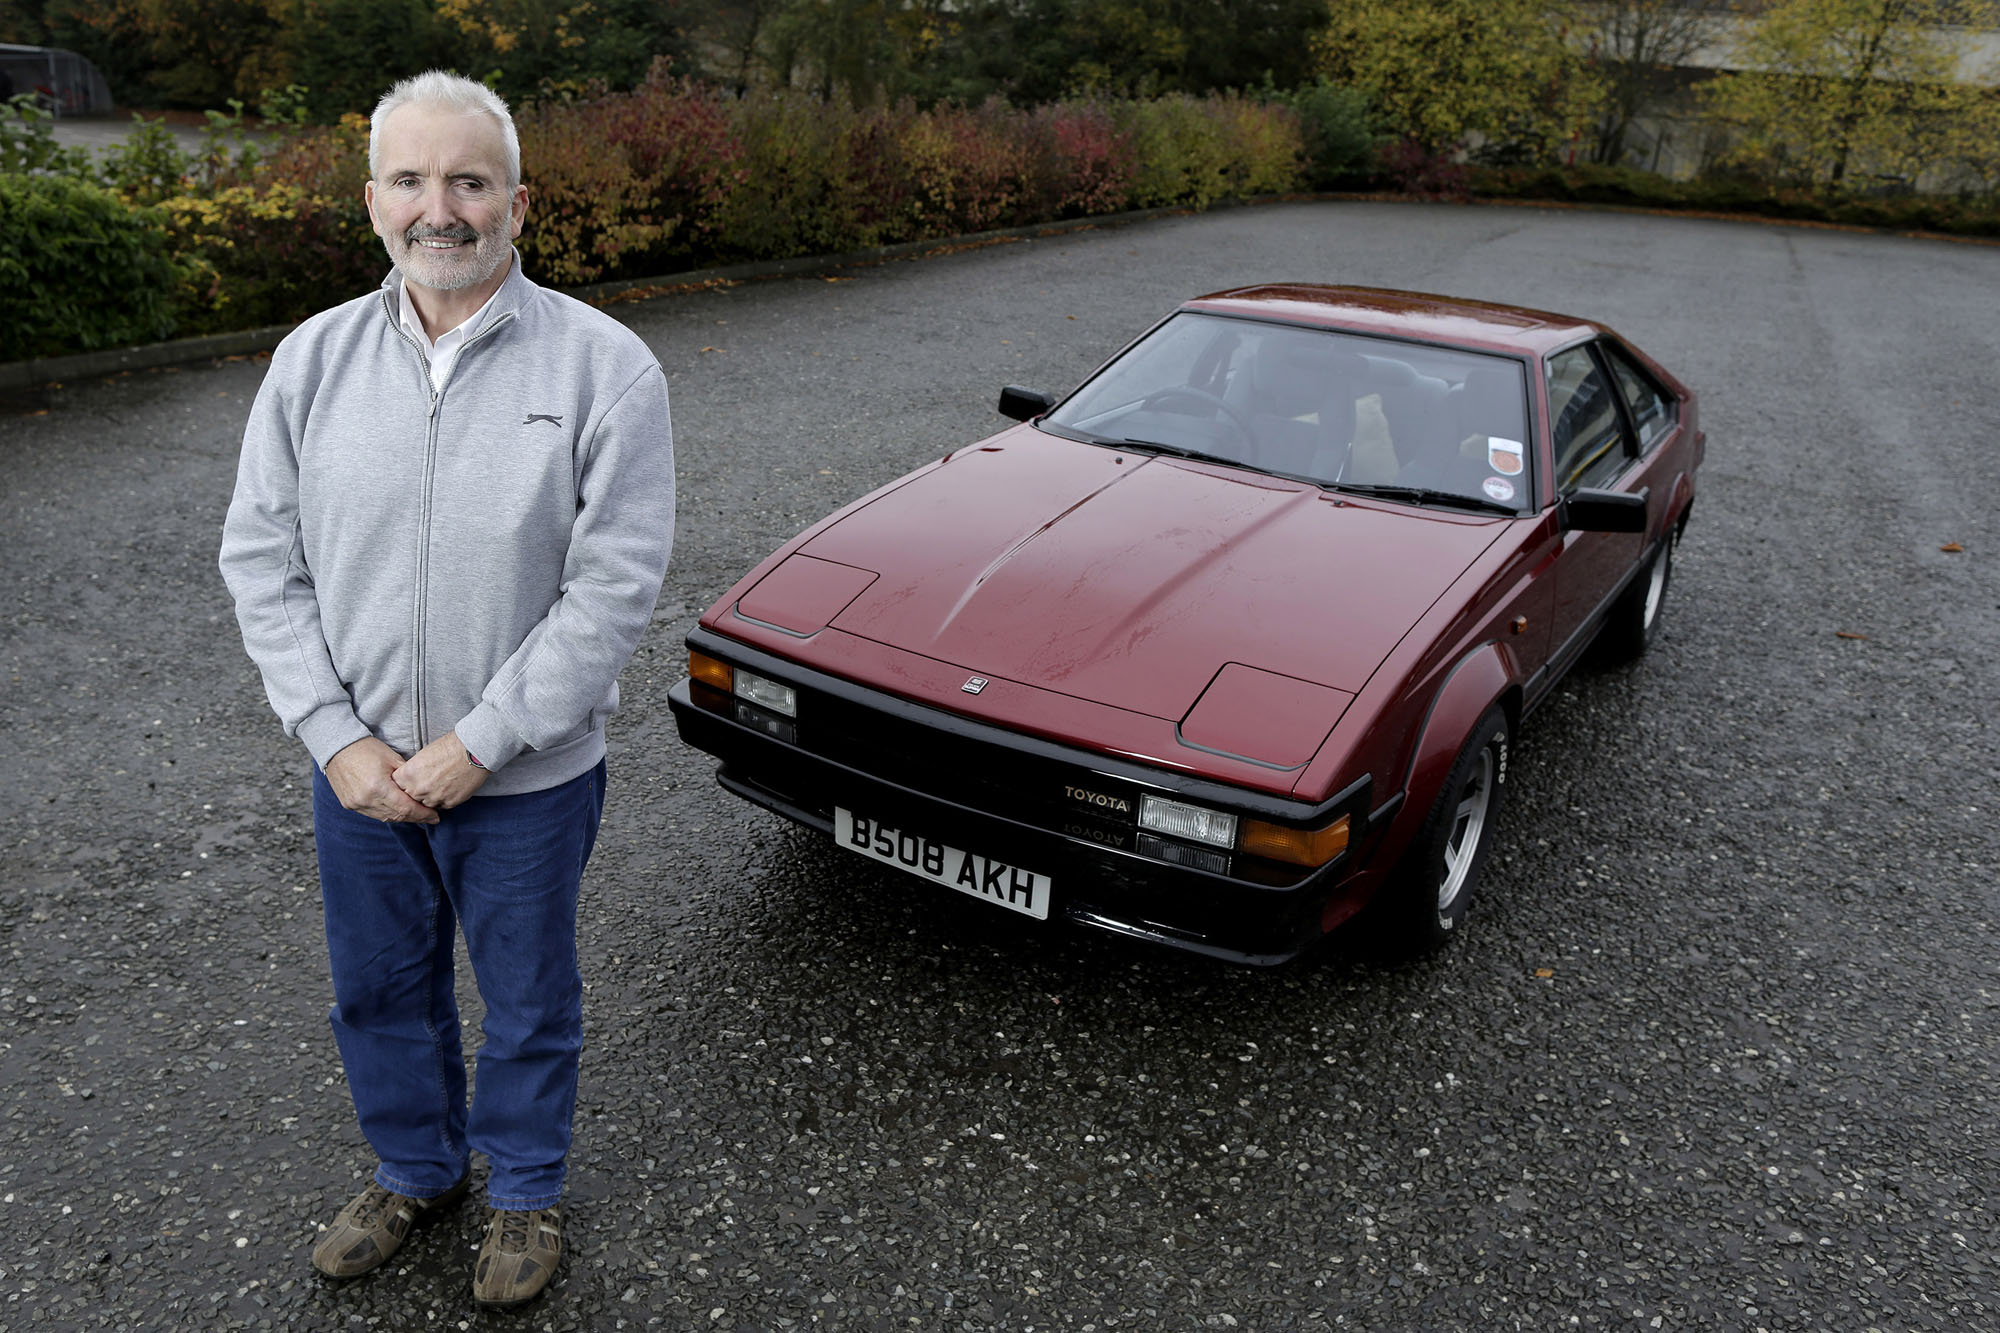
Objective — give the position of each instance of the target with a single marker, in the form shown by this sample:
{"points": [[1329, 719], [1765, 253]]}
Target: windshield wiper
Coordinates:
{"points": [[1178, 451], [1425, 495]]}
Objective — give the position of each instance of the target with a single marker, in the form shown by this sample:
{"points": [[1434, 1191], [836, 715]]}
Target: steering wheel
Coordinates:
{"points": [[1225, 411]]}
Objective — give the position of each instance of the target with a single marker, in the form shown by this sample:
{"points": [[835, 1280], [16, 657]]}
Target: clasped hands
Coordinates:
{"points": [[372, 779]]}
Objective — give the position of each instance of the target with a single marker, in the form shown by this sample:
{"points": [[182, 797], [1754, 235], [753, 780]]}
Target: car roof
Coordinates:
{"points": [[1418, 315]]}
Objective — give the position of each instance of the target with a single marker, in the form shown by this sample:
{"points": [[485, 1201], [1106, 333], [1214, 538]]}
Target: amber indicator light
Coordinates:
{"points": [[1298, 846], [711, 671]]}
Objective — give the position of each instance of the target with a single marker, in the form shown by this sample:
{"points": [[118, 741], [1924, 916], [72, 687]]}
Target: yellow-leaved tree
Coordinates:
{"points": [[1503, 79], [1851, 94]]}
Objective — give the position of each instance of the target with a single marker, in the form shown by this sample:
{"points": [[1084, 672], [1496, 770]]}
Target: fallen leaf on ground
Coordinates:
{"points": [[1847, 634], [1951, 548]]}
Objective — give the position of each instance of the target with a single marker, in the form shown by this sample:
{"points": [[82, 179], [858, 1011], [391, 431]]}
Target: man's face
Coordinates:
{"points": [[441, 203]]}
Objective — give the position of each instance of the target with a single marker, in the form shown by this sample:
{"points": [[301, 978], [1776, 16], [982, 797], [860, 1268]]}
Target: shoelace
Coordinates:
{"points": [[376, 1204], [515, 1227]]}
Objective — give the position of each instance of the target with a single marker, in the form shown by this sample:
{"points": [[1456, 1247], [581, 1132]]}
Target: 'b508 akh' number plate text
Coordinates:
{"points": [[1010, 886]]}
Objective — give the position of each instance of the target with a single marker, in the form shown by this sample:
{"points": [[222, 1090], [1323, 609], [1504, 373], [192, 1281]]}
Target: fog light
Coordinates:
{"points": [[758, 719], [1178, 819], [780, 699], [1180, 854]]}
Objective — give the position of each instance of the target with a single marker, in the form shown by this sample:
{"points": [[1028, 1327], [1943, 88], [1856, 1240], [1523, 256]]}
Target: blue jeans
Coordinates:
{"points": [[505, 870]]}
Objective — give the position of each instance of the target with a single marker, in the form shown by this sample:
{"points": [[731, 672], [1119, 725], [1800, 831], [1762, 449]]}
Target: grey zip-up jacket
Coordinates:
{"points": [[481, 560]]}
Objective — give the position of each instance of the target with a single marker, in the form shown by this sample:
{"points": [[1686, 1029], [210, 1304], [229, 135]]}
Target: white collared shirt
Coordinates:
{"points": [[443, 354]]}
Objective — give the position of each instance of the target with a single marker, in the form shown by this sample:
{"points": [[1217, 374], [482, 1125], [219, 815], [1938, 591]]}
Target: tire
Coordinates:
{"points": [[1635, 620], [1426, 901]]}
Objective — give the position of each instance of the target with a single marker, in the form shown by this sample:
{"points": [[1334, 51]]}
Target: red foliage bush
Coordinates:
{"points": [[1086, 160], [1418, 171], [963, 170]]}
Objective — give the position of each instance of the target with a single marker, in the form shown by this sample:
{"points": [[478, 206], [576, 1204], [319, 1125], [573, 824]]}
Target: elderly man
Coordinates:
{"points": [[451, 521]]}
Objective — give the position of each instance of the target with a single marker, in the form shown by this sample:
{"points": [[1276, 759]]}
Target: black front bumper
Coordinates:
{"points": [[1002, 794]]}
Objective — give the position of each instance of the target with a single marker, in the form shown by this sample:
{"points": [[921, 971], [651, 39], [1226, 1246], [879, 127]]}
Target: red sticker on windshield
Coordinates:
{"points": [[1499, 488], [1503, 455]]}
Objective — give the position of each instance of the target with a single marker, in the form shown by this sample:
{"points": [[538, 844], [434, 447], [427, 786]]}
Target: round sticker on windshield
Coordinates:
{"points": [[1503, 455], [1500, 489]]}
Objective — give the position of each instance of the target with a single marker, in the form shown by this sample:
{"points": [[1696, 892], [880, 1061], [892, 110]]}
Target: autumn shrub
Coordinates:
{"points": [[1425, 172], [1194, 151], [966, 169], [807, 168], [330, 161], [625, 182], [81, 268], [680, 136], [1084, 161], [254, 255], [1263, 144], [1178, 153], [589, 209], [273, 238]]}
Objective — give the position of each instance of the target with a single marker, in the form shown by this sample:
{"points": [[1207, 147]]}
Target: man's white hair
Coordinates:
{"points": [[439, 87]]}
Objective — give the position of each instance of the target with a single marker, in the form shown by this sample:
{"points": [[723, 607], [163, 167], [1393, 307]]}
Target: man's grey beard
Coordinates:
{"points": [[426, 269]]}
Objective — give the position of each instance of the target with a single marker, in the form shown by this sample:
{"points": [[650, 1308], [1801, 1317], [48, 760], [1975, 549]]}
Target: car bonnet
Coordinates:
{"points": [[1123, 578]]}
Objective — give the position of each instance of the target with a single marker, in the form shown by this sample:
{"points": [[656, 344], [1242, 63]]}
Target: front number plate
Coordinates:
{"points": [[1013, 888]]}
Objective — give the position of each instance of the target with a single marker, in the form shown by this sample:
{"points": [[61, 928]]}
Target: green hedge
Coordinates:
{"points": [[81, 269], [1633, 188]]}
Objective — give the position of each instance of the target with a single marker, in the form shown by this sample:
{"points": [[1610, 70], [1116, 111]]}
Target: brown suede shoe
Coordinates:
{"points": [[373, 1225], [518, 1257]]}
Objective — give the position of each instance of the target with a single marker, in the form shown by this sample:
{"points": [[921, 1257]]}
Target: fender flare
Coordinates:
{"points": [[1480, 680], [1683, 506]]}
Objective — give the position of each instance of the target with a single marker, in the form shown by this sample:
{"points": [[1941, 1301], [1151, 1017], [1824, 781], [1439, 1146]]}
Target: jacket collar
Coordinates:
{"points": [[506, 303]]}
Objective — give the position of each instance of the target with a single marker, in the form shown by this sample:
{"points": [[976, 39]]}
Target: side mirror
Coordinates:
{"points": [[1023, 404], [1586, 510]]}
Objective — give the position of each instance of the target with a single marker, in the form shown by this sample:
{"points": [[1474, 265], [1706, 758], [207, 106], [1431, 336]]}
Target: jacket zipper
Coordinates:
{"points": [[422, 600]]}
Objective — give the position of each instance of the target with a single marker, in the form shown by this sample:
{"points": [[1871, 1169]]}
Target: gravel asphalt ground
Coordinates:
{"points": [[1718, 1050]]}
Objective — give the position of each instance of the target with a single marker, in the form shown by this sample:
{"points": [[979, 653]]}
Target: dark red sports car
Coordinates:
{"points": [[1226, 647]]}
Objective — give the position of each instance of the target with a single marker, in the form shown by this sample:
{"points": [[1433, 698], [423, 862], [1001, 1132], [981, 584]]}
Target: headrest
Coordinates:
{"points": [[1293, 375], [1489, 402]]}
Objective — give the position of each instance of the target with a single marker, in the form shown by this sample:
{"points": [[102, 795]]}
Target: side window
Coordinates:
{"points": [[1590, 446], [1652, 410]]}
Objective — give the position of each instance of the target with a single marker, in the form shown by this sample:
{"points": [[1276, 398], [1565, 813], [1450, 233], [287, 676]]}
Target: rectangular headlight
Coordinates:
{"points": [[780, 699], [1178, 819]]}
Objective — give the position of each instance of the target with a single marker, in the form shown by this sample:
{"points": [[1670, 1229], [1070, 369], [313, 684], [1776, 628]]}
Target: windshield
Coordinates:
{"points": [[1338, 409]]}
